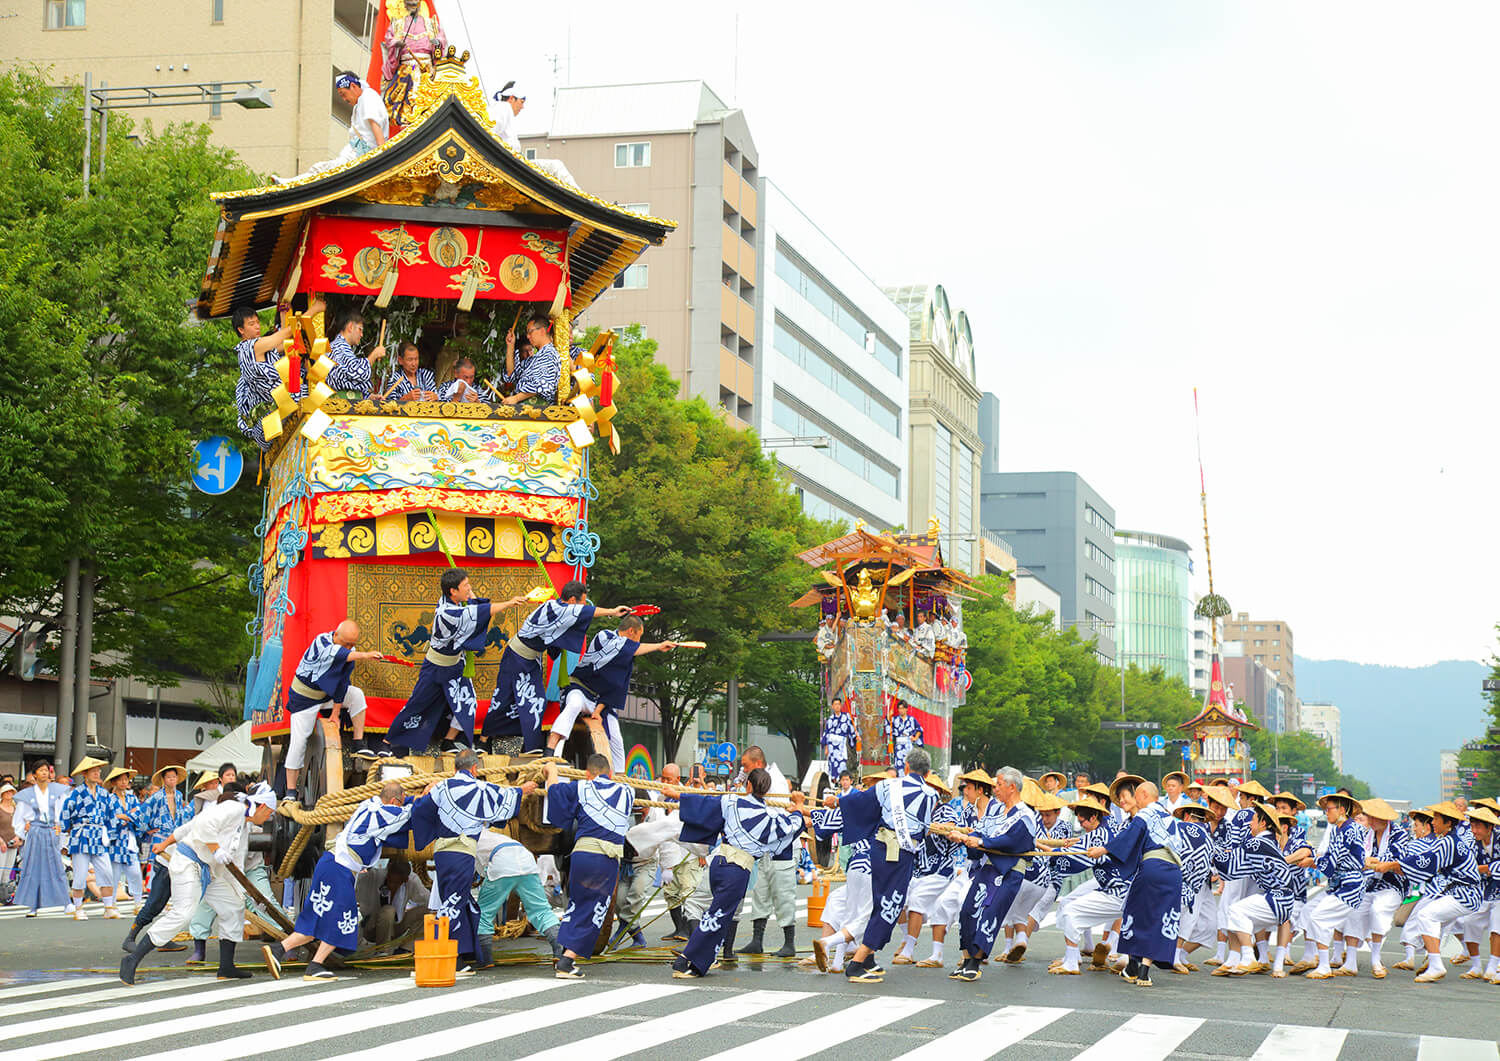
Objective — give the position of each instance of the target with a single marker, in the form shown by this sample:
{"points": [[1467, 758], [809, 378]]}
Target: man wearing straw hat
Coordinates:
{"points": [[1260, 860], [1174, 790], [1151, 852], [1384, 887], [1484, 925], [1198, 921], [998, 848], [1456, 890], [968, 810], [1343, 865], [1299, 854], [933, 873], [87, 818], [1096, 907], [1040, 884], [124, 835], [1236, 828], [160, 816]]}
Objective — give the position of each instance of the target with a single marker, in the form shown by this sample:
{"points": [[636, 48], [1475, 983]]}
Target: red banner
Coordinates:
{"points": [[357, 255]]}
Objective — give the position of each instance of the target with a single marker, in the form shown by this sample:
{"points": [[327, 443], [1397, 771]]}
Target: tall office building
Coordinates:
{"points": [[1153, 604], [945, 444], [294, 50], [836, 370], [1447, 774], [674, 149], [1322, 721], [1268, 640], [1062, 530]]}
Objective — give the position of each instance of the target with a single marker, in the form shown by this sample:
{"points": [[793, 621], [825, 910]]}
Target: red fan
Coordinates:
{"points": [[397, 659], [645, 609]]}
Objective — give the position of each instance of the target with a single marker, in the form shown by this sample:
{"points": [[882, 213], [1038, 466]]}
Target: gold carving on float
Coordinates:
{"points": [[359, 540], [336, 508], [370, 265], [331, 543], [518, 274], [333, 268], [549, 249], [448, 247]]}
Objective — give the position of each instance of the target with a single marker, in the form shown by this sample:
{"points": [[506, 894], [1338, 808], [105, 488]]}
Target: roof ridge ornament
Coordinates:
{"points": [[447, 76]]}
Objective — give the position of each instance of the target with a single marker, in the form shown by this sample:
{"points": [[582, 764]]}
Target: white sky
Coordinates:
{"points": [[1290, 206]]}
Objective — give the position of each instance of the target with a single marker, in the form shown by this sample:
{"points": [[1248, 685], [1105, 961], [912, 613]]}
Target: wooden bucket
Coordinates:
{"points": [[817, 900], [436, 954]]}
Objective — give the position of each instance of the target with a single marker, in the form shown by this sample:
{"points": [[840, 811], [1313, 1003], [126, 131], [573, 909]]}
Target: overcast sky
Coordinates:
{"points": [[1290, 206]]}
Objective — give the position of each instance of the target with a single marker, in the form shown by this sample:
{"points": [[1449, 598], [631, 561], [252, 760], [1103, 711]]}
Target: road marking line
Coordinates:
{"points": [[449, 1041], [288, 1036], [60, 984], [643, 1036], [275, 1010], [1144, 1037], [1294, 1042], [988, 1035], [826, 1032], [1439, 1048], [189, 999], [87, 998]]}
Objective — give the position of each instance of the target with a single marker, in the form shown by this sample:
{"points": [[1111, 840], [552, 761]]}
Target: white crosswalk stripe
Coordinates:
{"points": [[526, 1015]]}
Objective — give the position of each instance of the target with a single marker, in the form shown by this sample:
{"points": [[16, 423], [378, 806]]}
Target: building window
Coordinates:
{"points": [[215, 104], [1276, 657], [942, 475], [1276, 641], [216, 9], [1098, 589], [824, 367], [821, 296], [1099, 556], [64, 14], [529, 154], [633, 156], [1260, 628], [1258, 644], [1030, 495], [632, 279], [1094, 516], [853, 457]]}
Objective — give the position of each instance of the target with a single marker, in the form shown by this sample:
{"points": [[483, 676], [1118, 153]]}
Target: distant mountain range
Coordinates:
{"points": [[1395, 720]]}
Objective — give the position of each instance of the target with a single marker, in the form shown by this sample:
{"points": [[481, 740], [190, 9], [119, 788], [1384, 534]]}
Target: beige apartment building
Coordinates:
{"points": [[674, 149], [1268, 640], [293, 50]]}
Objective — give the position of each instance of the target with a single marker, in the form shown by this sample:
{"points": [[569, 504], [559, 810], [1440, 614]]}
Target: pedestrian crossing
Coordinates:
{"points": [[543, 1019]]}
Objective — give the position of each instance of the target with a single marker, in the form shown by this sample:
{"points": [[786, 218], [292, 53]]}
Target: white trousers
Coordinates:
{"points": [[849, 908], [1202, 925], [1234, 891], [305, 721], [1251, 915], [1379, 911], [1031, 896], [1328, 914], [129, 874], [1096, 909], [946, 910], [925, 893], [187, 892], [578, 703], [1481, 924], [1435, 917], [104, 875]]}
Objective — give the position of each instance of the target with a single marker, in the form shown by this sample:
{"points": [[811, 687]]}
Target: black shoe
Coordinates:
{"points": [[200, 953], [678, 933], [132, 961], [486, 954], [227, 969], [273, 954], [172, 948], [130, 941], [362, 750], [789, 944], [726, 952], [863, 972], [567, 969], [449, 747], [385, 751], [757, 943], [314, 971]]}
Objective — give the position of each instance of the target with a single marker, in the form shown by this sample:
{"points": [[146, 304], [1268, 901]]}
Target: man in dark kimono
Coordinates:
{"points": [[1150, 848]]}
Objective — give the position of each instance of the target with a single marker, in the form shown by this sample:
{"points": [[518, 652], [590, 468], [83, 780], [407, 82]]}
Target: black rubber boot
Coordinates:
{"points": [[757, 944], [551, 937], [679, 926], [486, 955], [789, 944], [726, 953], [227, 969], [129, 944], [131, 961], [200, 953]]}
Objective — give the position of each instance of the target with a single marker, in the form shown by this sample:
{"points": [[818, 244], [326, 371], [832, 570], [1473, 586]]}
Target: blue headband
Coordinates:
{"points": [[345, 81]]}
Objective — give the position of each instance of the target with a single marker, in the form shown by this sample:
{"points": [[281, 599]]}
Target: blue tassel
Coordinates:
{"points": [[252, 668], [265, 676]]}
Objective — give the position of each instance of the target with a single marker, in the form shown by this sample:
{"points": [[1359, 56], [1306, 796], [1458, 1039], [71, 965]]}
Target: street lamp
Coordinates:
{"points": [[247, 94]]}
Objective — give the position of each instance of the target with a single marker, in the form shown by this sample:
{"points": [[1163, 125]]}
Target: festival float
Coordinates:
{"points": [[875, 655], [447, 237]]}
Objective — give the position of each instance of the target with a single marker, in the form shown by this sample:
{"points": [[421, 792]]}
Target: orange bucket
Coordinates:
{"points": [[436, 954], [816, 901]]}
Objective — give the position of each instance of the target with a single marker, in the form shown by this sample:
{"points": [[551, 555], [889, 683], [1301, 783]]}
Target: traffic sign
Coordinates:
{"points": [[1252, 766], [1130, 725], [1476, 746], [1308, 788], [1157, 751], [1158, 742], [1142, 743], [1492, 685], [725, 752], [1326, 790], [217, 465], [707, 736]]}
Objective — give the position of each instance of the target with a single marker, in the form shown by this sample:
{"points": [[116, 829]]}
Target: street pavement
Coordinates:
{"points": [[61, 997]]}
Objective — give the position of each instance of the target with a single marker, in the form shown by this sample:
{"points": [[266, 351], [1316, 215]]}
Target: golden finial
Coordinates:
{"points": [[859, 524], [934, 528]]}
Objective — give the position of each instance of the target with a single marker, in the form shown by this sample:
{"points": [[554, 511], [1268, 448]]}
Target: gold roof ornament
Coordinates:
{"points": [[864, 596]]}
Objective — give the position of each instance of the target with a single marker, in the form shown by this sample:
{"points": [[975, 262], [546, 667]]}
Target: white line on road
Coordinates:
{"points": [[312, 996], [651, 1033], [1438, 1048], [74, 997], [1292, 1042], [450, 1041], [60, 984], [827, 1032], [1145, 1037], [183, 1000], [988, 1035], [287, 1036]]}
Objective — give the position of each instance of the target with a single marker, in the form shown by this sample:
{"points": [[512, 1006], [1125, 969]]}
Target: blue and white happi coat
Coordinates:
{"points": [[1454, 866], [936, 857], [257, 380], [1387, 848], [905, 733], [829, 821], [839, 741], [1008, 833], [1043, 871], [596, 809], [325, 668], [1343, 863], [536, 374], [603, 672], [88, 819], [1151, 919], [1197, 861], [520, 686], [442, 689], [1296, 840], [330, 913], [125, 835], [373, 822], [403, 386], [350, 372], [1260, 859]]}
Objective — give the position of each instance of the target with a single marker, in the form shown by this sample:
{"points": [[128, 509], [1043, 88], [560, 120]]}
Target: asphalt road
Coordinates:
{"points": [[62, 999]]}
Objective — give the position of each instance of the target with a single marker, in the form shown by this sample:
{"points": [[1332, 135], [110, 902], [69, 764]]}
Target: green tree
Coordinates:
{"points": [[1487, 763], [106, 382], [781, 688], [1300, 753], [694, 518], [1150, 696]]}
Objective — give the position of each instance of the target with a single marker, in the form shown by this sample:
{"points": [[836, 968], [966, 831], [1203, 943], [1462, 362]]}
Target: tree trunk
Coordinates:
{"points": [[82, 668], [63, 746]]}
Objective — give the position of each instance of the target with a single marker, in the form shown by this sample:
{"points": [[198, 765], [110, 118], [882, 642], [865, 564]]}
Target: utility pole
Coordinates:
{"points": [[66, 657]]}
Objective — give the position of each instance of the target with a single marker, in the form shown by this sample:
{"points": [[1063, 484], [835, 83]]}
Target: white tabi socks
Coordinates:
{"points": [[1221, 951], [1263, 951], [908, 945], [937, 950], [1280, 963], [1070, 958]]}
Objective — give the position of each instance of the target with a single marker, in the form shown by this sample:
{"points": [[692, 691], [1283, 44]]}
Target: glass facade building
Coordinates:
{"points": [[1153, 602]]}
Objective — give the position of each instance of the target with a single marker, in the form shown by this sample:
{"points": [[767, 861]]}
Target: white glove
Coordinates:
{"points": [[223, 856]]}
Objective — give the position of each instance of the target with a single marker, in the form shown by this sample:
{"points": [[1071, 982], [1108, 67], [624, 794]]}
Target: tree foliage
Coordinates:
{"points": [[1302, 753], [106, 383], [1487, 763], [781, 688]]}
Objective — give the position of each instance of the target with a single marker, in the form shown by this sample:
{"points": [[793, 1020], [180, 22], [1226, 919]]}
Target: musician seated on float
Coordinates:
{"points": [[257, 355], [414, 383], [351, 376], [462, 388], [532, 378]]}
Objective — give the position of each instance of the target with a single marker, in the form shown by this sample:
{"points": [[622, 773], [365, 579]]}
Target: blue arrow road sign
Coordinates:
{"points": [[217, 465], [1252, 764], [1158, 741], [1142, 743]]}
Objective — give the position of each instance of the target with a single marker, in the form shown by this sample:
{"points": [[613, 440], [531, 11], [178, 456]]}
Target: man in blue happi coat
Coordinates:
{"points": [[840, 738], [460, 623], [598, 811], [321, 687], [1150, 850], [600, 683], [553, 627], [1005, 834], [897, 810]]}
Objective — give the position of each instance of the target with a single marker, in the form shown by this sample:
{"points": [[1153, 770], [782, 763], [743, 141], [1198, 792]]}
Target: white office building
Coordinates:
{"points": [[1322, 721]]}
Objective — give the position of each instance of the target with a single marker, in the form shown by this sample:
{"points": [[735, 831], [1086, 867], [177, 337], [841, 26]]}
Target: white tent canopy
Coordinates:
{"points": [[236, 748]]}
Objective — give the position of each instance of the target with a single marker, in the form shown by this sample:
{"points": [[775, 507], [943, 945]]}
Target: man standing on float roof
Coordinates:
{"points": [[460, 623], [554, 627]]}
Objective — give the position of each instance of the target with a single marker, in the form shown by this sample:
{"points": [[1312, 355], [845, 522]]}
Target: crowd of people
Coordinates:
{"points": [[937, 634]]}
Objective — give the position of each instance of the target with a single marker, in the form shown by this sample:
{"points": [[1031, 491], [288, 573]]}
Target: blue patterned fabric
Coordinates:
{"points": [[443, 691], [159, 820], [1455, 869], [908, 802], [557, 627], [1197, 860], [373, 822], [1388, 849], [1260, 859], [1009, 831], [1343, 863], [603, 672], [936, 857], [330, 914], [1152, 914], [87, 819], [324, 666], [350, 372], [1296, 840], [905, 733], [598, 808], [403, 386], [839, 740], [985, 905], [1044, 871], [124, 836], [537, 374], [257, 380], [755, 828]]}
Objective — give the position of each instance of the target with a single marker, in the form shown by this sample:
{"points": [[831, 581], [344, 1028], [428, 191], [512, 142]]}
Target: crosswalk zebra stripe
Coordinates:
{"points": [[54, 985], [827, 1032], [643, 1036], [1144, 1037], [1292, 1042], [988, 1035], [288, 1036], [480, 1033], [184, 999], [277, 1009], [74, 997], [1439, 1048]]}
